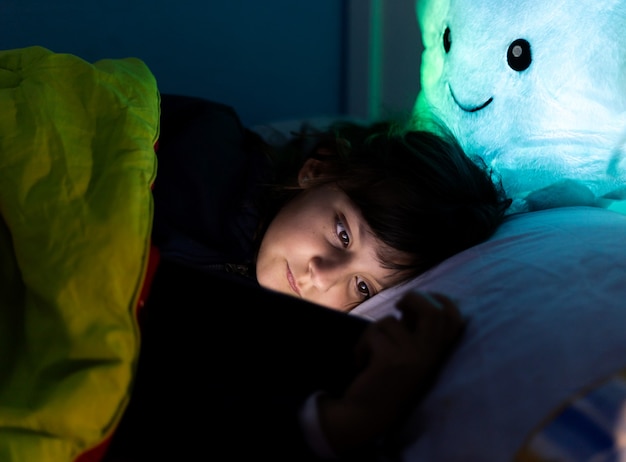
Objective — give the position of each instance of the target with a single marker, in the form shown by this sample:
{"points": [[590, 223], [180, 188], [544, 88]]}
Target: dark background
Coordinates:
{"points": [[271, 60]]}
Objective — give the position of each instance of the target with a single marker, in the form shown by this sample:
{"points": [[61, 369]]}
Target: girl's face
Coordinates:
{"points": [[319, 248]]}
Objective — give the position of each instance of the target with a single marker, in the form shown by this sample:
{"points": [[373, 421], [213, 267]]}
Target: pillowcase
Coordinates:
{"points": [[545, 300]]}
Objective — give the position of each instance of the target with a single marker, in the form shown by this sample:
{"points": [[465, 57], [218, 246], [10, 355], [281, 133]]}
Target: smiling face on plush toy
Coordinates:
{"points": [[537, 88]]}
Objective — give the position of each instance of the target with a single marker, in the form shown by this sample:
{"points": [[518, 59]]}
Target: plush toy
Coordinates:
{"points": [[537, 89]]}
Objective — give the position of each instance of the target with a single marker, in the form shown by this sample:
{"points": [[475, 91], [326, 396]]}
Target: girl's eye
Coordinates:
{"points": [[363, 289], [342, 234]]}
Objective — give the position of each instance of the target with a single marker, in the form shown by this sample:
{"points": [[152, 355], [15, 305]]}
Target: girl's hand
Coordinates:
{"points": [[401, 359]]}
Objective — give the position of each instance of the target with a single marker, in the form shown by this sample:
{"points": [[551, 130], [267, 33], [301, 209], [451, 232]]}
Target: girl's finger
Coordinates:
{"points": [[418, 307]]}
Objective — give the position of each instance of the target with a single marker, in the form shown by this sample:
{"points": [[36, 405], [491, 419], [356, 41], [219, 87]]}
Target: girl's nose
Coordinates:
{"points": [[326, 271]]}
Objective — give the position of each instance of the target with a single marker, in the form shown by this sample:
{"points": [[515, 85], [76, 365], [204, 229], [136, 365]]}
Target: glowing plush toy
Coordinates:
{"points": [[537, 89]]}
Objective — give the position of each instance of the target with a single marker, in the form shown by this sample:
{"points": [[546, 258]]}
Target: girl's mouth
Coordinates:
{"points": [[292, 281]]}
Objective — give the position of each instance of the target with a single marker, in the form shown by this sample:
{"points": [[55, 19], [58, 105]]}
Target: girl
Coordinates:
{"points": [[232, 362], [332, 217]]}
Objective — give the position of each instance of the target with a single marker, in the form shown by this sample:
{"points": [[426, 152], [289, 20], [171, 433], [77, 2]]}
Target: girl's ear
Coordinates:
{"points": [[312, 169]]}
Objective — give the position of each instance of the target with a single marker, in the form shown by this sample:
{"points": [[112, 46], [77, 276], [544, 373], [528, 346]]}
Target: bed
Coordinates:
{"points": [[545, 296]]}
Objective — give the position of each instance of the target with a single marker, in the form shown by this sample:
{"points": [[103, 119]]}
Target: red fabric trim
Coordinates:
{"points": [[95, 454], [153, 263]]}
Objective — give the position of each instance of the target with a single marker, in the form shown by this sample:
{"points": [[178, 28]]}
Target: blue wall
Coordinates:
{"points": [[270, 59]]}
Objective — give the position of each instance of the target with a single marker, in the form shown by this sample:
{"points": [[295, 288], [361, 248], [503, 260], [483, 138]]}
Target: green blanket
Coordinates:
{"points": [[76, 167]]}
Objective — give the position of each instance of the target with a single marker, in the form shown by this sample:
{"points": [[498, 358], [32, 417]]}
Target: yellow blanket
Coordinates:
{"points": [[76, 166]]}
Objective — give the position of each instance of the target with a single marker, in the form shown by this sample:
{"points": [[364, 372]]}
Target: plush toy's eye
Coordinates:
{"points": [[518, 55], [446, 40]]}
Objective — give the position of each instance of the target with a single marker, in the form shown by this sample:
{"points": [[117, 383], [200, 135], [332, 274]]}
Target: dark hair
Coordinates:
{"points": [[418, 191]]}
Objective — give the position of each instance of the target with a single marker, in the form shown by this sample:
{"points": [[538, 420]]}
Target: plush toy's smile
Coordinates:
{"points": [[469, 108]]}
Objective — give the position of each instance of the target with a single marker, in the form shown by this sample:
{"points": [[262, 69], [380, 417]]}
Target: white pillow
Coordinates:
{"points": [[545, 300]]}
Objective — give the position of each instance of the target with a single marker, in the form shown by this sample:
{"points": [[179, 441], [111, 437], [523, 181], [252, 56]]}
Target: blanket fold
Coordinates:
{"points": [[77, 164]]}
